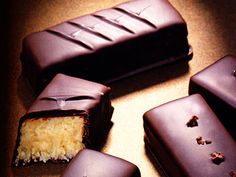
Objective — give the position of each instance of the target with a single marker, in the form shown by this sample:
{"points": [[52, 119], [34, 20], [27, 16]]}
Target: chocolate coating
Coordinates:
{"points": [[95, 164], [109, 44], [70, 93], [217, 84], [70, 96], [174, 144]]}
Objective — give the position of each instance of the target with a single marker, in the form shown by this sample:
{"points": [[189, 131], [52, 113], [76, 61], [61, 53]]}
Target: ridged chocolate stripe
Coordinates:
{"points": [[67, 37], [90, 30], [135, 15], [62, 99], [71, 98], [114, 23]]}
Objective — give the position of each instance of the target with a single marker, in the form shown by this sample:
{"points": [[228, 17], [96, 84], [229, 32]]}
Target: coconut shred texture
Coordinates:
{"points": [[51, 138]]}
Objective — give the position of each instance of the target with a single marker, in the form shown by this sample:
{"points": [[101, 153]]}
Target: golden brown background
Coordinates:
{"points": [[212, 34]]}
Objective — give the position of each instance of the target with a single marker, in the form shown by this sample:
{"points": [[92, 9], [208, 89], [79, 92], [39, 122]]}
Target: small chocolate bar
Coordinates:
{"points": [[90, 163], [109, 44], [69, 115], [206, 149], [217, 84]]}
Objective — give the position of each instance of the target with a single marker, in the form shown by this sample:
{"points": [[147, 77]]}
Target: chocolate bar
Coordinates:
{"points": [[95, 164], [186, 139], [109, 44], [217, 84], [70, 114]]}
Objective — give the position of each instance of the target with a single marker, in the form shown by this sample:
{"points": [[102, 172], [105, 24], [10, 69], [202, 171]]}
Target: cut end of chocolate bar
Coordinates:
{"points": [[192, 122], [50, 139], [69, 115], [217, 157]]}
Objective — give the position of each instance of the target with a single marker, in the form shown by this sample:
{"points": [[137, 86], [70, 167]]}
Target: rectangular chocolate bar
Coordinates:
{"points": [[109, 44], [188, 140], [217, 84], [90, 163], [69, 115]]}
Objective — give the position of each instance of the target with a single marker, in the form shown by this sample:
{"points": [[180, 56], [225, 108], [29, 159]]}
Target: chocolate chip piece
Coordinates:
{"points": [[217, 157], [200, 140], [192, 122], [234, 73], [233, 173], [208, 141]]}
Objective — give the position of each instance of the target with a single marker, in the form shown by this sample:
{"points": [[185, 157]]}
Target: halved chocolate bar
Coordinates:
{"points": [[90, 163], [69, 115], [109, 44], [217, 84], [173, 144]]}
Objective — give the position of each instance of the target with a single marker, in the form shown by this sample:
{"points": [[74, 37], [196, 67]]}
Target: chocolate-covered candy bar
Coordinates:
{"points": [[109, 44], [70, 114], [188, 140], [95, 164], [217, 84]]}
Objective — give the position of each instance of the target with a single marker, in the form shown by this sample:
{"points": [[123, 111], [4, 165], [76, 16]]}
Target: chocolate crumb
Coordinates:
{"points": [[208, 141], [192, 122], [234, 73], [200, 140], [233, 173], [217, 157]]}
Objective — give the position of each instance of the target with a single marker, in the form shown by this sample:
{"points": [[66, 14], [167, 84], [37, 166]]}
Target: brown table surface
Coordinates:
{"points": [[212, 34]]}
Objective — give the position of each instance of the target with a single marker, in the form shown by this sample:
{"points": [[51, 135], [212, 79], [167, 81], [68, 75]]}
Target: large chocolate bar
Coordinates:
{"points": [[69, 115], [109, 44], [217, 84], [188, 140], [96, 164]]}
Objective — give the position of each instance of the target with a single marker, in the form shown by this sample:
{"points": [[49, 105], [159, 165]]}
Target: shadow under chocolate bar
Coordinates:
{"points": [[107, 45]]}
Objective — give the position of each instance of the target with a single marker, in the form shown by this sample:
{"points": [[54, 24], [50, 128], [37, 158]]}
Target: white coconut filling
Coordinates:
{"points": [[55, 138]]}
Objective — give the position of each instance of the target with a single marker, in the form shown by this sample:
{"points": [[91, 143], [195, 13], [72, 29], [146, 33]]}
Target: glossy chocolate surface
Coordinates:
{"points": [[217, 84], [96, 164], [70, 93], [109, 44], [174, 144], [68, 96]]}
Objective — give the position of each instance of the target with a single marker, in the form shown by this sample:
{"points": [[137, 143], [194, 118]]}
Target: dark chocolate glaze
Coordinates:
{"points": [[109, 44], [70, 96], [70, 93], [91, 163], [174, 144], [217, 84]]}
